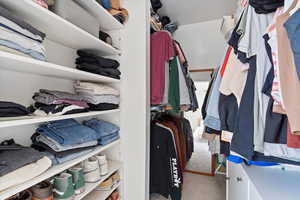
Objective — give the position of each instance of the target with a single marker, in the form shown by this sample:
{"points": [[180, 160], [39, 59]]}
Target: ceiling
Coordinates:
{"points": [[194, 11]]}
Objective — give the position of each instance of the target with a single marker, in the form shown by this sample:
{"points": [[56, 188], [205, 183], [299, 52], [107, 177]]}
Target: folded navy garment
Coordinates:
{"points": [[90, 57], [9, 15], [10, 109], [103, 106]]}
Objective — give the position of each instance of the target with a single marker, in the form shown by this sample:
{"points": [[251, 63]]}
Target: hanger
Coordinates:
{"points": [[293, 5]]}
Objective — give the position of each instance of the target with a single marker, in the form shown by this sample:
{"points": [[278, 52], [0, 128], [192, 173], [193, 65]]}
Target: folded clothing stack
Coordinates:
{"points": [[19, 37], [15, 168], [66, 140], [10, 109], [107, 132], [98, 96], [89, 61], [51, 102], [42, 3], [114, 7]]}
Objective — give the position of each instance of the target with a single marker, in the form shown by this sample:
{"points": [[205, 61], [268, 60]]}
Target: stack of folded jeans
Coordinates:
{"points": [[89, 61], [19, 37], [107, 132], [98, 96], [19, 164], [64, 140], [50, 102]]}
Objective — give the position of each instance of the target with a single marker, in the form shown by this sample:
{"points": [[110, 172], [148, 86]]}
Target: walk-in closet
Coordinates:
{"points": [[149, 100]]}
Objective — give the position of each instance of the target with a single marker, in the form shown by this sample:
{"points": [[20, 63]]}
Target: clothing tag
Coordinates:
{"points": [[226, 136]]}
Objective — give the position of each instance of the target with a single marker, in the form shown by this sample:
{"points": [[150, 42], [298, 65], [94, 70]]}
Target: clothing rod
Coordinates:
{"points": [[202, 70]]}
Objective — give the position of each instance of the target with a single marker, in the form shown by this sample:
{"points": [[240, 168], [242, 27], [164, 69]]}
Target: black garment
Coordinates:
{"points": [[242, 141], [164, 165], [16, 157], [10, 109], [235, 36], [156, 5], [187, 129], [105, 37], [103, 106], [164, 20], [87, 56], [110, 72], [212, 131], [9, 15], [53, 108], [205, 102], [228, 109], [120, 17], [266, 6], [276, 126]]}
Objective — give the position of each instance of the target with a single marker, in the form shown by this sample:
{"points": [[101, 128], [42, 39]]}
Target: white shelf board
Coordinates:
{"points": [[106, 20], [36, 120], [53, 171], [19, 63], [89, 187], [56, 28], [101, 195]]}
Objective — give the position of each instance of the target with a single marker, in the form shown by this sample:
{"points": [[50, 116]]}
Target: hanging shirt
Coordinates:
{"points": [[161, 52], [174, 90]]}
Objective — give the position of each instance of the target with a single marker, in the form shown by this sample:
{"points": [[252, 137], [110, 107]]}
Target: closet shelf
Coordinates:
{"points": [[56, 28], [18, 63], [89, 187], [36, 120], [106, 20], [54, 171], [101, 195]]}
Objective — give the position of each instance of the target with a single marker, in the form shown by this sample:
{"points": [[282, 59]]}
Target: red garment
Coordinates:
{"points": [[293, 141], [225, 61], [162, 50]]}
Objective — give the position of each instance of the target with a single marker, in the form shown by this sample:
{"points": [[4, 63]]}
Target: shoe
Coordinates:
{"points": [[105, 185], [78, 179], [42, 191], [116, 178], [103, 164], [91, 170], [25, 195], [63, 187]]}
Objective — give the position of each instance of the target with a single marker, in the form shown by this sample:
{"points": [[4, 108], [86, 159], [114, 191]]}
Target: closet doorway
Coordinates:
{"points": [[201, 161]]}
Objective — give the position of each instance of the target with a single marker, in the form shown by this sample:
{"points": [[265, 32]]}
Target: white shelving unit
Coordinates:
{"points": [[56, 170], [107, 21], [89, 187], [101, 195], [62, 40], [36, 120], [17, 63], [58, 29]]}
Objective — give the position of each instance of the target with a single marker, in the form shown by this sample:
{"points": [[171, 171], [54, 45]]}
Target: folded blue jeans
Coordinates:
{"points": [[102, 128], [109, 139], [67, 132]]}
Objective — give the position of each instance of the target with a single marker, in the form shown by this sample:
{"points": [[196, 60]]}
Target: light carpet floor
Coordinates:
{"points": [[197, 187]]}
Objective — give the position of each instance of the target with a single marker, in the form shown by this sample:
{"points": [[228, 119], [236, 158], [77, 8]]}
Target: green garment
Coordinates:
{"points": [[174, 92]]}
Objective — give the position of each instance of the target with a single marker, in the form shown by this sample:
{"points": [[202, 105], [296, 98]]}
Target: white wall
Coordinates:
{"points": [[202, 43], [135, 107]]}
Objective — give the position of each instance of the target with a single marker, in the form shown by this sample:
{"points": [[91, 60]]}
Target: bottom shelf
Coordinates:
{"points": [[101, 195], [113, 166]]}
